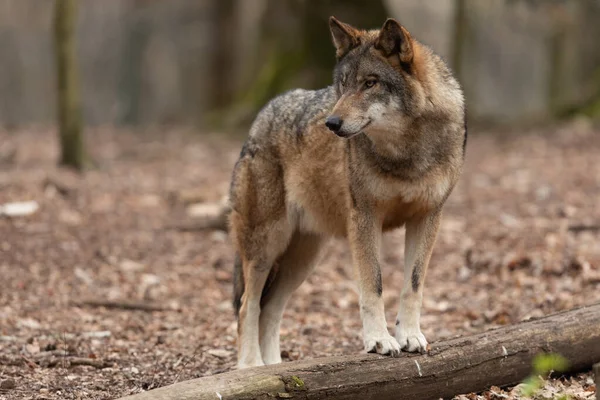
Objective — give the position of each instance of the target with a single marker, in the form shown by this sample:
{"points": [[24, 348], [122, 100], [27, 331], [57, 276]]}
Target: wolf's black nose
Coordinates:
{"points": [[334, 123]]}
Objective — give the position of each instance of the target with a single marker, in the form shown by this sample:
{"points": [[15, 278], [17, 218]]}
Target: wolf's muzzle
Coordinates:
{"points": [[334, 123]]}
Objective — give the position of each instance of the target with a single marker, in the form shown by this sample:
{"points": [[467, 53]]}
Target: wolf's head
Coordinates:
{"points": [[376, 79]]}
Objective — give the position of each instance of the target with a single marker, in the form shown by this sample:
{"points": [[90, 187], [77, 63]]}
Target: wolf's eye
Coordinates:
{"points": [[369, 83]]}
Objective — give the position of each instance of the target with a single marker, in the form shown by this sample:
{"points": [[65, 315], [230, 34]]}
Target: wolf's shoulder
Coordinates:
{"points": [[289, 105], [293, 110], [305, 96]]}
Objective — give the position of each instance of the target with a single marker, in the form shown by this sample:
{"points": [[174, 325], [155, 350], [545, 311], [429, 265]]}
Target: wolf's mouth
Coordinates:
{"points": [[348, 135]]}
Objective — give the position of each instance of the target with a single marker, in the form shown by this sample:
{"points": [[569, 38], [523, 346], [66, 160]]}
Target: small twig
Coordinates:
{"points": [[103, 257], [67, 362], [29, 363], [8, 154], [62, 186], [188, 196], [187, 362], [499, 395], [50, 353], [124, 305], [596, 369], [89, 361], [584, 228], [204, 224], [418, 368], [205, 216], [13, 361], [65, 348]]}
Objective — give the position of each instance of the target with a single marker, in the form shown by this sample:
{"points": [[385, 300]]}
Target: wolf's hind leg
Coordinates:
{"points": [[260, 231], [294, 266], [420, 238], [261, 248], [255, 276]]}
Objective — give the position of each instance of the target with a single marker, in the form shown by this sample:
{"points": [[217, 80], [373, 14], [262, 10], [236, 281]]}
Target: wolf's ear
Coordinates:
{"points": [[345, 37], [395, 39]]}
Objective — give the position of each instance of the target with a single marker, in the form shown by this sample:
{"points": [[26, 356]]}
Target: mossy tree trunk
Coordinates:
{"points": [[68, 104]]}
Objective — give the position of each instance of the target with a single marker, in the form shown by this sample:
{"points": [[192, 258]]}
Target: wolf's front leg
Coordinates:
{"points": [[364, 237], [420, 238]]}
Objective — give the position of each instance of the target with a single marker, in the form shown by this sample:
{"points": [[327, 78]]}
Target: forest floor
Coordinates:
{"points": [[507, 251]]}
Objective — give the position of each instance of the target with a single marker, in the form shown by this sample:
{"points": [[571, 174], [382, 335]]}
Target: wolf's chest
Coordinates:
{"points": [[398, 201]]}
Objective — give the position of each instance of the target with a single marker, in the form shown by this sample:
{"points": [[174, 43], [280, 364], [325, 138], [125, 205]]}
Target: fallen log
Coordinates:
{"points": [[497, 357]]}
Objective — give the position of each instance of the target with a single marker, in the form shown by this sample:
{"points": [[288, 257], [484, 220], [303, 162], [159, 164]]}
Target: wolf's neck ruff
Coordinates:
{"points": [[399, 166]]}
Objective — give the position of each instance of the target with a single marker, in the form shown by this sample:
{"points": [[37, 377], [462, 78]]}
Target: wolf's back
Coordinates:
{"points": [[292, 111]]}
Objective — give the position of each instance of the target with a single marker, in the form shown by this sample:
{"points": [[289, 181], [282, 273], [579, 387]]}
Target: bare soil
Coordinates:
{"points": [[509, 249]]}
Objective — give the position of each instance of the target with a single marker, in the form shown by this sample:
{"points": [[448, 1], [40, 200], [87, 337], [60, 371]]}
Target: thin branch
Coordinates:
{"points": [[584, 228], [124, 305]]}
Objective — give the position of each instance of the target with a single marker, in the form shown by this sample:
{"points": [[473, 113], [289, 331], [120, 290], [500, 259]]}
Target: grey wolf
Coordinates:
{"points": [[381, 148]]}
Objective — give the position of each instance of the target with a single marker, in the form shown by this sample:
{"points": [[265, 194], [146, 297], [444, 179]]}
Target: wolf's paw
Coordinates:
{"points": [[272, 358], [382, 344], [411, 340], [248, 364]]}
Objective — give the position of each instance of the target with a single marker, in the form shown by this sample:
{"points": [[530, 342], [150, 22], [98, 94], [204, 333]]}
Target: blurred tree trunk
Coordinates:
{"points": [[135, 42], [69, 105], [293, 49], [222, 63], [558, 57], [460, 33]]}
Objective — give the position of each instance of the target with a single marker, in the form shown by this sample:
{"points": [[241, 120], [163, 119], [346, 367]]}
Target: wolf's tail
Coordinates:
{"points": [[238, 284]]}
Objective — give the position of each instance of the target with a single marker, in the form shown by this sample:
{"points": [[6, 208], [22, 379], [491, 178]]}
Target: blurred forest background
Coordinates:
{"points": [[109, 266], [216, 62]]}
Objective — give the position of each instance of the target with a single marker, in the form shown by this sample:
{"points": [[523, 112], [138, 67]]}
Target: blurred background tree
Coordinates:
{"points": [[214, 63], [69, 103], [286, 45]]}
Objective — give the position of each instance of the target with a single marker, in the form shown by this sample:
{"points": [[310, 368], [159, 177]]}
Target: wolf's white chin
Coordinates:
{"points": [[352, 132]]}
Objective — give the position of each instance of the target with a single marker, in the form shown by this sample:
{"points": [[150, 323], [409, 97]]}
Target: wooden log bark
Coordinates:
{"points": [[468, 364]]}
